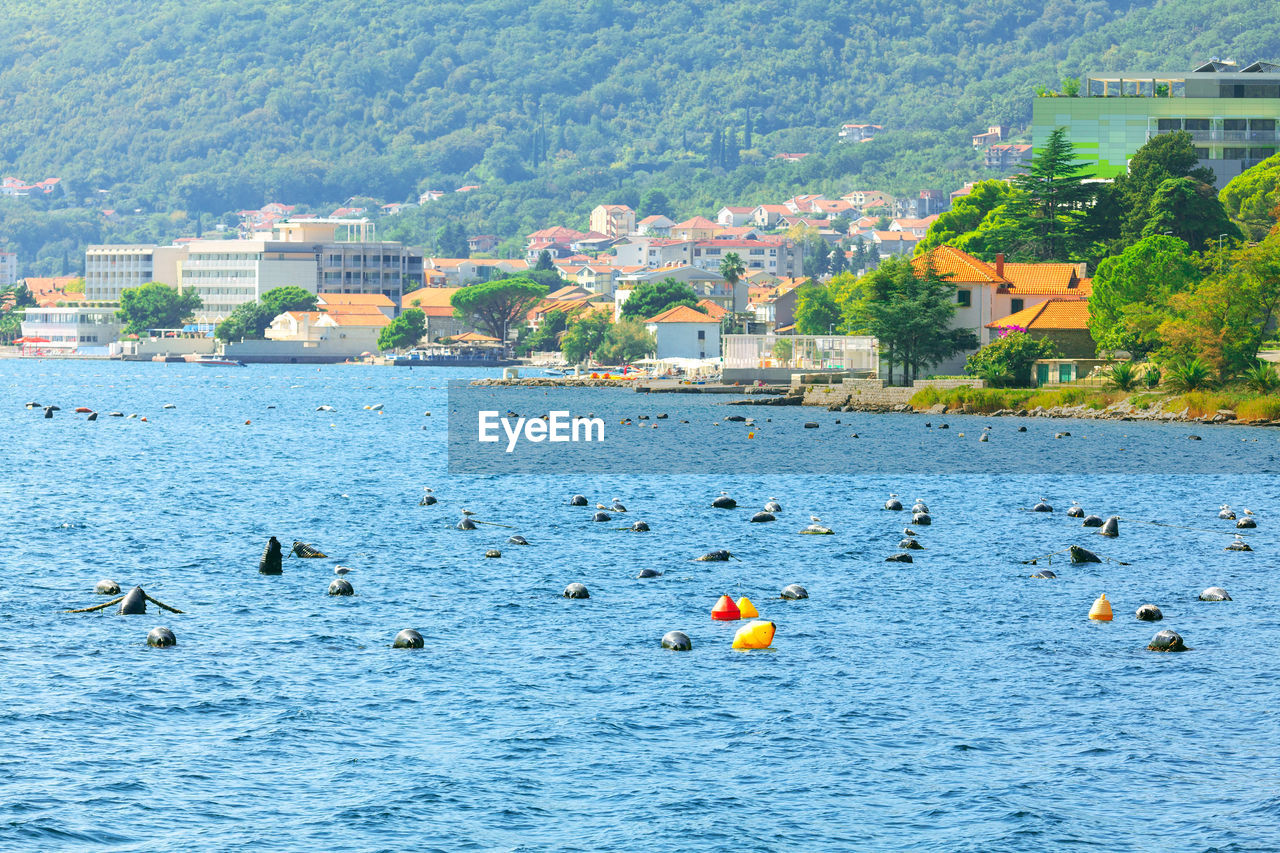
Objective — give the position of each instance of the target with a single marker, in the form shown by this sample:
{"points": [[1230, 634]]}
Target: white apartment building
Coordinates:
{"points": [[68, 329], [108, 270], [8, 269]]}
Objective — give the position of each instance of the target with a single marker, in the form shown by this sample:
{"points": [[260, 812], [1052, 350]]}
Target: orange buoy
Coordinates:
{"points": [[746, 609], [725, 610], [751, 435], [1101, 609], [144, 420], [754, 635], [84, 410], [246, 423]]}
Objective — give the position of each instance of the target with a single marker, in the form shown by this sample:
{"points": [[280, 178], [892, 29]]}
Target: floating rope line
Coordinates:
{"points": [[1233, 532], [160, 604], [494, 523], [1049, 558]]}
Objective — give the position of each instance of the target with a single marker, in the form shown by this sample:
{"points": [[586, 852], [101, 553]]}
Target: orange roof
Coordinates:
{"points": [[49, 291], [376, 319], [712, 309], [891, 236], [377, 299], [680, 314], [474, 337], [961, 266], [696, 222], [1040, 279], [1050, 315], [430, 297]]}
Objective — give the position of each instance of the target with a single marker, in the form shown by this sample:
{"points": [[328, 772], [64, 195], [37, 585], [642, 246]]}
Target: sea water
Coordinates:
{"points": [[949, 704]]}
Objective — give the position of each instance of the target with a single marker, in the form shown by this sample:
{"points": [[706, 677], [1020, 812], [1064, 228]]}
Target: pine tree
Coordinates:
{"points": [[1056, 199]]}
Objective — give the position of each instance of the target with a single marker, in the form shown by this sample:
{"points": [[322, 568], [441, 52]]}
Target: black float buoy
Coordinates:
{"points": [[576, 590], [1083, 555], [899, 558], [1246, 523], [271, 562], [493, 553], [106, 587], [1167, 641], [724, 502], [341, 587], [794, 592], [922, 518], [761, 517], [910, 544], [465, 524], [134, 602], [602, 516], [1111, 527], [306, 552], [518, 540], [161, 638], [1075, 512], [1215, 593], [893, 504], [1149, 613], [649, 573], [718, 556], [407, 639], [639, 527], [1042, 507], [1092, 521], [1044, 574], [677, 641], [577, 500]]}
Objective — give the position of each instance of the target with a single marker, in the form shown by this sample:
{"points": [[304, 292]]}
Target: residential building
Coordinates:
{"points": [[791, 157], [768, 216], [775, 307], [460, 271], [1232, 114], [916, 227], [555, 240], [110, 270], [318, 255], [1009, 156], [1063, 320], [69, 329], [993, 135], [781, 257], [613, 220], [684, 332], [435, 304], [706, 284], [652, 252], [656, 225], [734, 217], [697, 228], [986, 292], [344, 326], [890, 243], [858, 132], [865, 200], [8, 269], [481, 243]]}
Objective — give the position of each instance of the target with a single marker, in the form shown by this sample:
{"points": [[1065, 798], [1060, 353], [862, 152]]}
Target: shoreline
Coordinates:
{"points": [[895, 400]]}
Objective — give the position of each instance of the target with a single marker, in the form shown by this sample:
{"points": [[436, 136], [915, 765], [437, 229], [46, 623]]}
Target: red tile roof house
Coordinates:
{"points": [[989, 292]]}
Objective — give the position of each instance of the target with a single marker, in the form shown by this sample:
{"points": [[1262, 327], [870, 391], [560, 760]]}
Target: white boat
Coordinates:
{"points": [[218, 361]]}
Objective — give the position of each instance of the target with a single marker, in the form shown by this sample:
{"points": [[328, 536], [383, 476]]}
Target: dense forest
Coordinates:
{"points": [[174, 115]]}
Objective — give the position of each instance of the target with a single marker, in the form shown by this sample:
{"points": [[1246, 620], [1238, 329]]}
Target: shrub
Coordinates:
{"points": [[1259, 408], [1262, 378], [1123, 376], [1190, 375], [1152, 377], [1199, 403], [1008, 360]]}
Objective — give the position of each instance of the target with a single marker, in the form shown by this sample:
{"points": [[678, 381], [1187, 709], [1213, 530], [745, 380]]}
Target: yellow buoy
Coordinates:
{"points": [[1101, 609], [751, 435], [754, 635], [746, 609]]}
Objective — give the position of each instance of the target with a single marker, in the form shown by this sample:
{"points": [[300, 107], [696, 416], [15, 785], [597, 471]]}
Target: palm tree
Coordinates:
{"points": [[732, 268]]}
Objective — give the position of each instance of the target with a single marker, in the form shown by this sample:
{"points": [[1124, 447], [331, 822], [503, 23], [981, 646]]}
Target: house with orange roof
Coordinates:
{"points": [[48, 292], [684, 332], [696, 228], [435, 303], [890, 243], [738, 232], [613, 220], [918, 227], [655, 225], [357, 303], [1063, 320], [460, 271], [339, 332], [712, 309], [864, 200], [1009, 156], [768, 215], [987, 292], [705, 283]]}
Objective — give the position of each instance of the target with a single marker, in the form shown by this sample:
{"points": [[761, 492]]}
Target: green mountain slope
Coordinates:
{"points": [[551, 107]]}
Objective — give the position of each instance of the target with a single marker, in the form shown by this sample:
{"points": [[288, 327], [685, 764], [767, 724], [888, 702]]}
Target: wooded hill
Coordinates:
{"points": [[551, 106]]}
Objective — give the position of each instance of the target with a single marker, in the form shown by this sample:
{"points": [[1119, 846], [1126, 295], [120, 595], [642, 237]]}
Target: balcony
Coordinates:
{"points": [[1266, 136]]}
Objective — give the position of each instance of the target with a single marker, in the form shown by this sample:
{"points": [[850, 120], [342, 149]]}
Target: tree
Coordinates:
{"points": [[1223, 319], [249, 320], [837, 262], [1189, 210], [816, 310], [654, 202], [584, 336], [626, 341], [1054, 200], [544, 264], [451, 240], [732, 268], [653, 297], [546, 338], [1007, 361], [156, 306], [1250, 198], [497, 306], [910, 313], [404, 331], [1164, 156], [1131, 292], [966, 214]]}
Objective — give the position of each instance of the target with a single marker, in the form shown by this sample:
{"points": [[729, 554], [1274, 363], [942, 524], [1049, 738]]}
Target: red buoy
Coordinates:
{"points": [[725, 610], [84, 410]]}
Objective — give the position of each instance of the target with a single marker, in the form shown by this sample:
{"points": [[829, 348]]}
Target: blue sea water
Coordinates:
{"points": [[949, 704]]}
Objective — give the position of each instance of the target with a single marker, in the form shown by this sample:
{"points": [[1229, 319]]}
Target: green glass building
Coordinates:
{"points": [[1231, 112]]}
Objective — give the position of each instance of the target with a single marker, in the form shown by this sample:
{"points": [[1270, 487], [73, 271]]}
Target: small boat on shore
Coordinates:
{"points": [[218, 361]]}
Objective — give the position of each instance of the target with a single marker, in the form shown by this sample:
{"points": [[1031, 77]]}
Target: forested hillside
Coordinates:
{"points": [[551, 106]]}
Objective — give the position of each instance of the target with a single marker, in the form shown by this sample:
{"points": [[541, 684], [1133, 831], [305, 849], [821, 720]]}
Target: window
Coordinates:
{"points": [[1197, 124], [1202, 153], [702, 334], [1234, 153], [1261, 153], [1168, 125], [1066, 372], [964, 298], [1015, 305]]}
